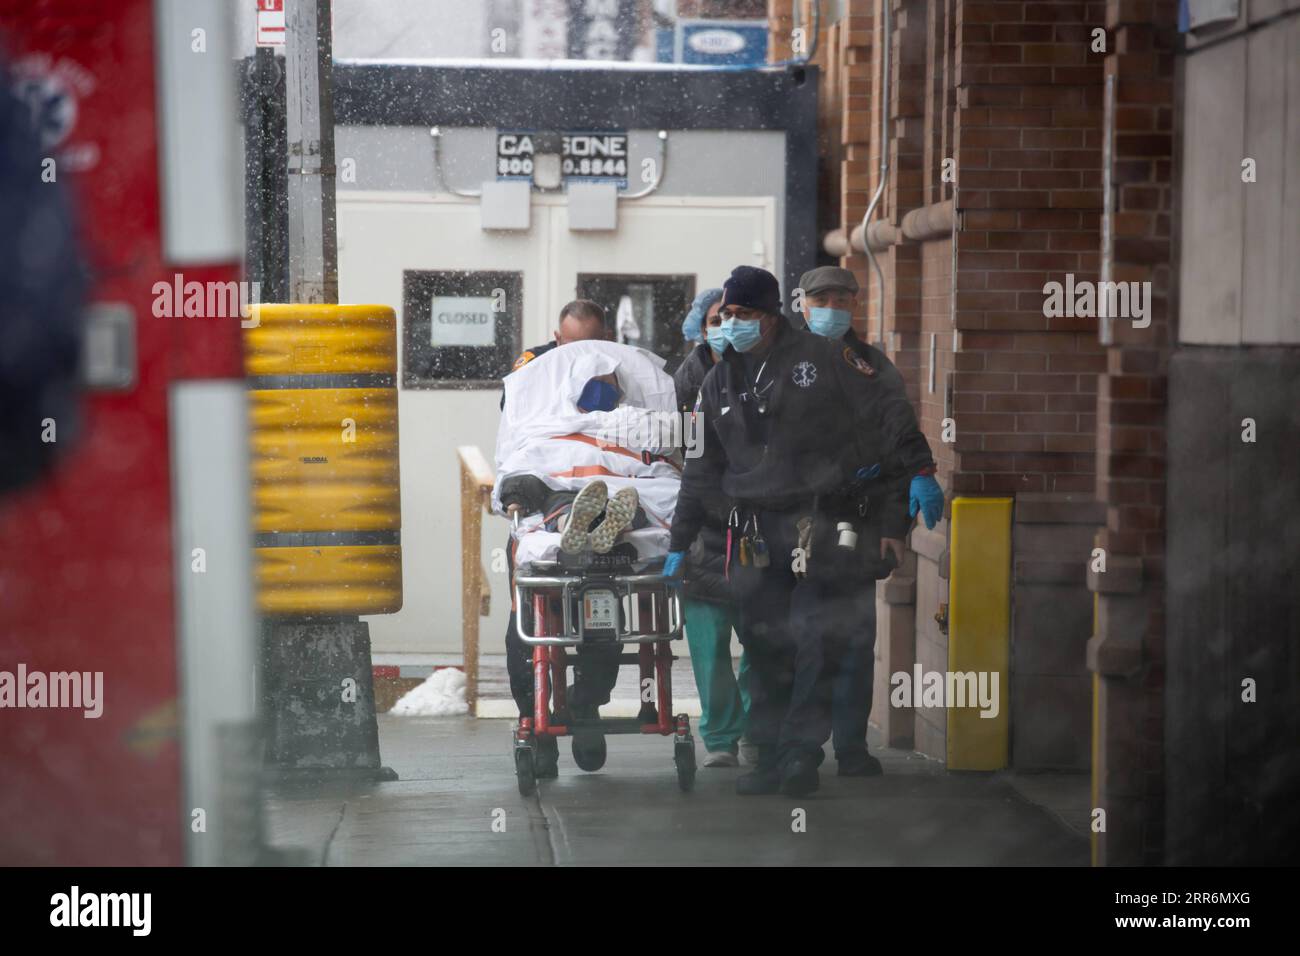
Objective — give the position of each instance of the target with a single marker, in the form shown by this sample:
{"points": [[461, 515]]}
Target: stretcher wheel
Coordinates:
{"points": [[524, 772], [589, 751], [684, 758]]}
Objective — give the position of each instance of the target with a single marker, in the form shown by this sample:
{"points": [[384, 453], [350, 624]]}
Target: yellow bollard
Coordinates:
{"points": [[322, 385], [979, 627]]}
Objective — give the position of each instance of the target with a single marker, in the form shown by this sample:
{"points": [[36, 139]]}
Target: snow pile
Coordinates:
{"points": [[441, 695]]}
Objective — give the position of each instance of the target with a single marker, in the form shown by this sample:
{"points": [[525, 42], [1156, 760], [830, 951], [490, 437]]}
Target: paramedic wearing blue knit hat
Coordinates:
{"points": [[794, 428]]}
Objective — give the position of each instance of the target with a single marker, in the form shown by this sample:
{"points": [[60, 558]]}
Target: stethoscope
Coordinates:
{"points": [[760, 400]]}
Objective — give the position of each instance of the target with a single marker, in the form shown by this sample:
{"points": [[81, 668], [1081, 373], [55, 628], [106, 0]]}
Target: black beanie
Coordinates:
{"points": [[752, 288]]}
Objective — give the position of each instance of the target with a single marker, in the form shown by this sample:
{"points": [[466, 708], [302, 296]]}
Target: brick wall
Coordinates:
{"points": [[860, 158], [1028, 144], [904, 280], [1014, 92], [1127, 652], [936, 322]]}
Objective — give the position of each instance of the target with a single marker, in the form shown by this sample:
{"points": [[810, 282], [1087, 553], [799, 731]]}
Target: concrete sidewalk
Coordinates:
{"points": [[457, 776]]}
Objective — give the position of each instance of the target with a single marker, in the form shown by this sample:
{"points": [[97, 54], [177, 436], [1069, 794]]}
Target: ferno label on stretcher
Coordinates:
{"points": [[599, 611]]}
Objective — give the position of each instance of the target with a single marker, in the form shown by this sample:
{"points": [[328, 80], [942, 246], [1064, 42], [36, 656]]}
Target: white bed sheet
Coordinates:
{"points": [[534, 543]]}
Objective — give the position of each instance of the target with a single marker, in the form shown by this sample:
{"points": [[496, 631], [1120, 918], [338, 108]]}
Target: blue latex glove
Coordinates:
{"points": [[673, 566], [925, 496]]}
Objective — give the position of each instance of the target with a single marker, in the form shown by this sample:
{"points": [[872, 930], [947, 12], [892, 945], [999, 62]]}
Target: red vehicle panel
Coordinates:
{"points": [[86, 566]]}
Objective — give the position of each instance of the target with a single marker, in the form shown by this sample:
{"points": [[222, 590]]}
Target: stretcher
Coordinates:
{"points": [[618, 600]]}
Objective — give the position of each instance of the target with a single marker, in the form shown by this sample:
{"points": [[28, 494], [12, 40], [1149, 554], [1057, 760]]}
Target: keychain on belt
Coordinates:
{"points": [[758, 548], [733, 522], [746, 545]]}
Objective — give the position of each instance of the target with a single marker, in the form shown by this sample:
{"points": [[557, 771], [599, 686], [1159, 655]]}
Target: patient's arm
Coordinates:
{"points": [[528, 492]]}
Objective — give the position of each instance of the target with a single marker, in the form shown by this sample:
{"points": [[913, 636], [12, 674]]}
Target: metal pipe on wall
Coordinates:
{"points": [[884, 157], [836, 243]]}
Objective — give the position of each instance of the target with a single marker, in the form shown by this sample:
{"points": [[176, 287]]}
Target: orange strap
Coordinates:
{"points": [[602, 445], [611, 447]]}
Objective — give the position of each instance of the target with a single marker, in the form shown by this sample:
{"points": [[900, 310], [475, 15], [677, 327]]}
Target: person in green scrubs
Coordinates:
{"points": [[706, 602]]}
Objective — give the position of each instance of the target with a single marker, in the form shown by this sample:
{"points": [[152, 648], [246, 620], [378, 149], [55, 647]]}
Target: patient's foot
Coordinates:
{"points": [[618, 515], [587, 504]]}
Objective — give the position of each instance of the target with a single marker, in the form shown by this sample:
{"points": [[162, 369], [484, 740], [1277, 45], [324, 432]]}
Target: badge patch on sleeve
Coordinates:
{"points": [[858, 362], [523, 360]]}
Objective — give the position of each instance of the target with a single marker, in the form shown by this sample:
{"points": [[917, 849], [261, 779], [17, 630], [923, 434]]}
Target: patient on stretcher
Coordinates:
{"points": [[587, 452]]}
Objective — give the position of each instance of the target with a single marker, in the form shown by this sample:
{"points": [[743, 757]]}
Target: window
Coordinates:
{"points": [[644, 310], [459, 329]]}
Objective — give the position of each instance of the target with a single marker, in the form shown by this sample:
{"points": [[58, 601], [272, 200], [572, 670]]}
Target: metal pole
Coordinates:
{"points": [[311, 733], [309, 113]]}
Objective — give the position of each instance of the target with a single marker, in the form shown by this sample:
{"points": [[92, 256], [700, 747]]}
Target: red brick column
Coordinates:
{"points": [[1127, 649], [906, 188], [859, 138], [1028, 139]]}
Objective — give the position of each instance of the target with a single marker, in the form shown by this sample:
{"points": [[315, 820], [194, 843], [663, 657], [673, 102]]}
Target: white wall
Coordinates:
{"points": [[383, 233], [1239, 283], [365, 29]]}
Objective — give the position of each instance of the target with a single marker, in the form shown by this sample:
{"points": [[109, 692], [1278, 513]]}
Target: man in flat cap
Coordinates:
{"points": [[830, 297]]}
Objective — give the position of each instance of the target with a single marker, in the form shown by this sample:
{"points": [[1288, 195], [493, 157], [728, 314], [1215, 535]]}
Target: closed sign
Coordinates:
{"points": [[463, 320]]}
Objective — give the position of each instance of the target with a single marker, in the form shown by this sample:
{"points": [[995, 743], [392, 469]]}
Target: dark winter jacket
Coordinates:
{"points": [[690, 376], [796, 424], [705, 579], [895, 479]]}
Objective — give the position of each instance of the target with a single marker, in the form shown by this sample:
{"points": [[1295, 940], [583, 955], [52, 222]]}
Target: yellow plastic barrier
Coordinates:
{"points": [[308, 478], [979, 627], [327, 504]]}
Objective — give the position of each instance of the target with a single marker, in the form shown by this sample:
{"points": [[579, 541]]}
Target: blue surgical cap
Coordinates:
{"points": [[693, 324]]}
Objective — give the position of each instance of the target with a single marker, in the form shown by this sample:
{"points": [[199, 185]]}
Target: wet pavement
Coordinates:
{"points": [[456, 803]]}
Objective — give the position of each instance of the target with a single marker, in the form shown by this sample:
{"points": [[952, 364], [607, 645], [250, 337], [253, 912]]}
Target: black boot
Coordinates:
{"points": [[764, 779], [759, 782], [799, 776], [588, 746], [858, 765]]}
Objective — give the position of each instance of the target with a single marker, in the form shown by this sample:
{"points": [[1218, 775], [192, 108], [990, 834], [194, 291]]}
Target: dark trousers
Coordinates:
{"points": [[797, 631], [851, 690], [594, 672]]}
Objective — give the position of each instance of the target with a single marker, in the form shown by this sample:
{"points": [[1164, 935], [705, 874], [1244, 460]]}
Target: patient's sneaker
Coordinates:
{"points": [[619, 512], [587, 504]]}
